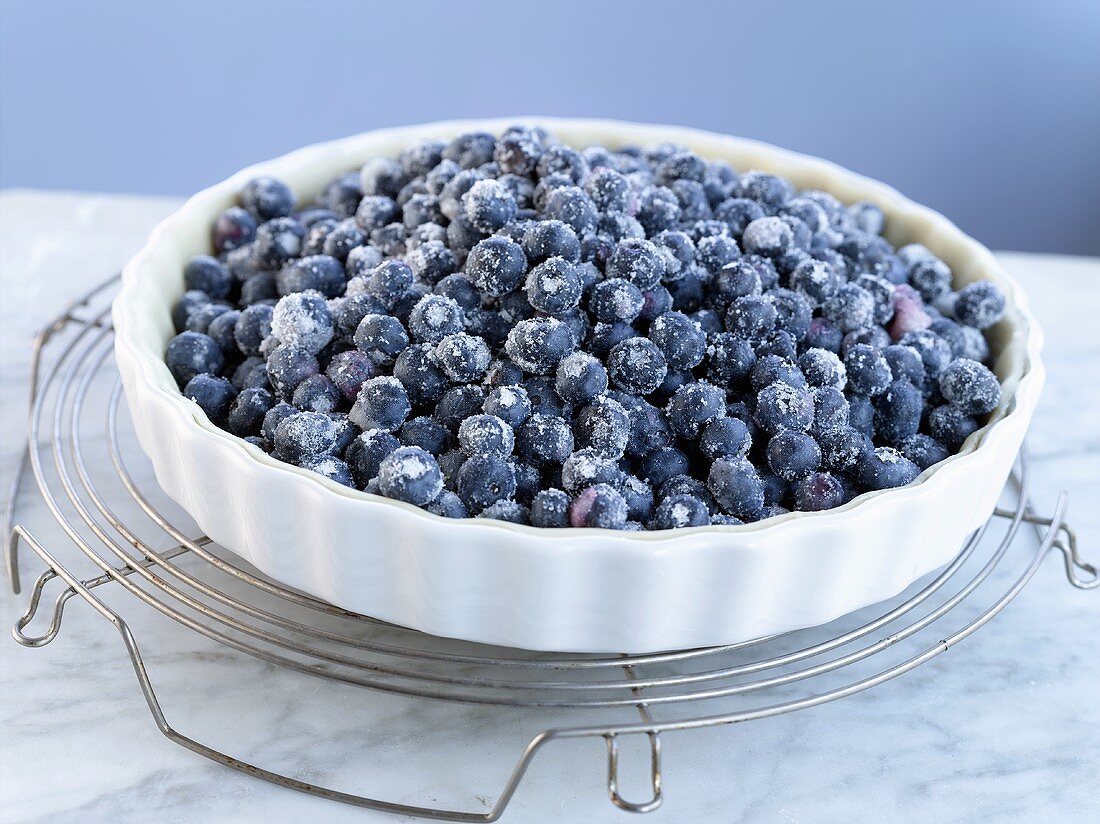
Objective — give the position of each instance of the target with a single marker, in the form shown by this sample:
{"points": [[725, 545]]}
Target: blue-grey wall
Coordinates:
{"points": [[987, 111]]}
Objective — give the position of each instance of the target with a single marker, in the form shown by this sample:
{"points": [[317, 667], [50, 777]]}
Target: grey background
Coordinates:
{"points": [[986, 111]]}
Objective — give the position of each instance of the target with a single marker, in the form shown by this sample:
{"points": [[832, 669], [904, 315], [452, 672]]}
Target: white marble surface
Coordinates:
{"points": [[1004, 728]]}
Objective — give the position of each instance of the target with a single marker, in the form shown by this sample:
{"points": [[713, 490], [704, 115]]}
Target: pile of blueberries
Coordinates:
{"points": [[511, 328]]}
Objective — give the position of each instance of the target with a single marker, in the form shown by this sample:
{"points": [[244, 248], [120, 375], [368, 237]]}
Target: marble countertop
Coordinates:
{"points": [[1004, 729]]}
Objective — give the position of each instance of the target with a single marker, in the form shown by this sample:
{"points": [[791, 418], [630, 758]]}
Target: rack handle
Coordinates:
{"points": [[654, 775]]}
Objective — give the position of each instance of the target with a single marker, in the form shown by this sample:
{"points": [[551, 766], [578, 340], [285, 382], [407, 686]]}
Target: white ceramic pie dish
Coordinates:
{"points": [[580, 590]]}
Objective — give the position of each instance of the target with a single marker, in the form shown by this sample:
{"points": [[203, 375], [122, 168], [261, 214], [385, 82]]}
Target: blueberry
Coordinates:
{"points": [[816, 280], [200, 319], [951, 426], [934, 351], [751, 316], [693, 406], [636, 365], [905, 363], [462, 358], [209, 275], [214, 395], [375, 212], [603, 426], [551, 238], [416, 370], [868, 371], [304, 433], [970, 386], [638, 496], [680, 340], [488, 205], [736, 486], [273, 417], [222, 329], [470, 150], [658, 209], [725, 437], [678, 511], [730, 359], [410, 474], [259, 287], [898, 412], [661, 464], [267, 198], [852, 307], [447, 505], [251, 372], [615, 300], [538, 345], [381, 176], [792, 312], [550, 508], [580, 378], [980, 304], [278, 240], [485, 435], [832, 410], [192, 353], [781, 406], [544, 439], [931, 277], [246, 415], [510, 403], [364, 455], [767, 189], [233, 229], [572, 206], [426, 433], [600, 506], [388, 281], [823, 333], [885, 468], [587, 467], [637, 261], [457, 404], [382, 338], [553, 286], [340, 198], [823, 368], [861, 414], [303, 320], [518, 150], [382, 403], [818, 491], [496, 265], [793, 455], [923, 450], [608, 189], [485, 479], [767, 236], [738, 213], [316, 394], [510, 511]]}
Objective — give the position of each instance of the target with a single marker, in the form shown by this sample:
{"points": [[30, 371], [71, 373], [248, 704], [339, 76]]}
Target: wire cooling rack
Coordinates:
{"points": [[81, 457]]}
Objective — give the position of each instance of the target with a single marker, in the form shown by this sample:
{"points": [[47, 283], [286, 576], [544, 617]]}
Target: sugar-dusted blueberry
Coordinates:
{"points": [[381, 176], [599, 505], [551, 238], [905, 363], [730, 358], [496, 265], [388, 281], [638, 495], [447, 505], [202, 316], [278, 240], [832, 410], [267, 197], [579, 378], [608, 189], [328, 466], [736, 486], [410, 474], [679, 511], [273, 417], [192, 353], [658, 209], [488, 205], [636, 365], [823, 333], [382, 403], [416, 370], [885, 468], [664, 463], [485, 435], [923, 450], [851, 307], [572, 206], [767, 189], [823, 368], [426, 433], [518, 150], [462, 358], [935, 353], [221, 328], [233, 229], [485, 479], [693, 406], [931, 277], [725, 437], [767, 236], [382, 338], [247, 412], [364, 455], [538, 345], [303, 320], [649, 428], [304, 433], [586, 467], [208, 274], [751, 316], [898, 411], [980, 304], [780, 406], [603, 425], [615, 300], [910, 314], [818, 491], [951, 426], [553, 286], [503, 510], [457, 404], [544, 439], [510, 403], [550, 508], [470, 149], [637, 261], [793, 455], [868, 370], [251, 372], [213, 394], [680, 340]]}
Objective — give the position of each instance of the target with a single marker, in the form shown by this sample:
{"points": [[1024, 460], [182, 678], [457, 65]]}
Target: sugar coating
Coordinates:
{"points": [[511, 328]]}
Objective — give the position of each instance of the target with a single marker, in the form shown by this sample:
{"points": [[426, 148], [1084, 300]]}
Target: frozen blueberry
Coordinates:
{"points": [[608, 189], [214, 395], [861, 414], [278, 240], [832, 410], [768, 236], [636, 365], [382, 403], [603, 426], [600, 506], [553, 286], [364, 455], [510, 511], [233, 229], [572, 206], [868, 371], [910, 315], [192, 353], [693, 406], [209, 275], [818, 491], [544, 439], [348, 371], [462, 358], [422, 379], [730, 359], [970, 386], [410, 474], [751, 317], [426, 433], [496, 265], [816, 280], [303, 320], [471, 149], [275, 416], [586, 467], [780, 406], [725, 437], [488, 205], [658, 209], [448, 505], [330, 467], [951, 426], [664, 463], [823, 368], [852, 307], [485, 479], [304, 433], [550, 508], [934, 351], [637, 261], [905, 363], [538, 345], [680, 340], [616, 300], [885, 468], [485, 435], [388, 281], [980, 304], [518, 150], [898, 411], [545, 239], [457, 404], [510, 403], [736, 486], [638, 495], [923, 450], [382, 338], [267, 197], [793, 455], [678, 511], [316, 394], [246, 415], [434, 317], [931, 277], [579, 378]]}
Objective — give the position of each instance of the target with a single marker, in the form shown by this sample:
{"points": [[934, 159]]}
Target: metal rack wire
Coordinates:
{"points": [[109, 519]]}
